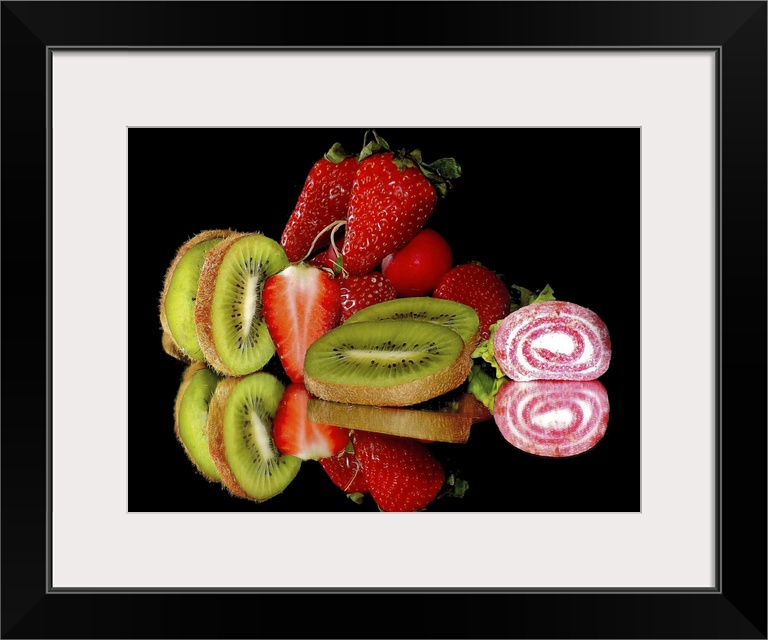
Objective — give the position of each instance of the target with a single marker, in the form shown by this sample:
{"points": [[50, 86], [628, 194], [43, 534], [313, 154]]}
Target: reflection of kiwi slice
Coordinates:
{"points": [[447, 422], [228, 312], [240, 437], [191, 416], [177, 302], [388, 363], [461, 318]]}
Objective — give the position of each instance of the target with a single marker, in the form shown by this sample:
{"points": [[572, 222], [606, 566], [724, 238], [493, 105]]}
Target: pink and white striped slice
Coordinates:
{"points": [[553, 340], [552, 418]]}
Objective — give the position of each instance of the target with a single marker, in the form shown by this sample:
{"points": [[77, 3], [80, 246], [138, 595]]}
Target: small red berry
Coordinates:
{"points": [[416, 269]]}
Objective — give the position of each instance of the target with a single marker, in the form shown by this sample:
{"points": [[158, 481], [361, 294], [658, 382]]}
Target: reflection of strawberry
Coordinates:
{"points": [[322, 201], [301, 303], [477, 287], [358, 292], [295, 435], [401, 473], [393, 196], [344, 471]]}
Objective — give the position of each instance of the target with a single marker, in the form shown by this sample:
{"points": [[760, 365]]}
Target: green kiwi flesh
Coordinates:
{"points": [[385, 363], [191, 419], [228, 314], [179, 303], [241, 437], [462, 318]]}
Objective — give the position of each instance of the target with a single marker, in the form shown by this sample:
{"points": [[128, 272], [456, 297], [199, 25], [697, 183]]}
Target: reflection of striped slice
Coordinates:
{"points": [[552, 341], [553, 418]]}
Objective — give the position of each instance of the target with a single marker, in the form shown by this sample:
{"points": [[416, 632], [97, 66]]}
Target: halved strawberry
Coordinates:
{"points": [[393, 196], [301, 303], [295, 435], [358, 292], [480, 288], [401, 473], [323, 200]]}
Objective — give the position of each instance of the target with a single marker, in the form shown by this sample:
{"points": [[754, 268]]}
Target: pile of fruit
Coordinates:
{"points": [[378, 335]]}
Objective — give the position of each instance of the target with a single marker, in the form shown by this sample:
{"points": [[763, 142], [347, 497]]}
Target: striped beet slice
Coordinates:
{"points": [[552, 340], [552, 418]]}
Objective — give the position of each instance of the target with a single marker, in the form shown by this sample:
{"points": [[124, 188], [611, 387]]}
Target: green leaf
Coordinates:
{"points": [[336, 154], [484, 384], [526, 296]]}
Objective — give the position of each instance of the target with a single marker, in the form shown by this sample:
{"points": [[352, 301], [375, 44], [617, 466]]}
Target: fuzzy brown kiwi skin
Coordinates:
{"points": [[174, 347], [216, 411], [186, 378], [204, 303], [400, 395]]}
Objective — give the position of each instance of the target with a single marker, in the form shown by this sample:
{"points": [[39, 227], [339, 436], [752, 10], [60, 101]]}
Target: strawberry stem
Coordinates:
{"points": [[333, 227], [439, 173]]}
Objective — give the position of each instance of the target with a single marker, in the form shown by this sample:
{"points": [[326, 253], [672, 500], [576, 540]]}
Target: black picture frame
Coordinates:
{"points": [[736, 608]]}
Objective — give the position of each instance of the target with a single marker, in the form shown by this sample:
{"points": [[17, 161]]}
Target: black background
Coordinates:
{"points": [[557, 206], [734, 608]]}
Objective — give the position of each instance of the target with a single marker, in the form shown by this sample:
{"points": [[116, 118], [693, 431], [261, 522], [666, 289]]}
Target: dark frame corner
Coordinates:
{"points": [[737, 30]]}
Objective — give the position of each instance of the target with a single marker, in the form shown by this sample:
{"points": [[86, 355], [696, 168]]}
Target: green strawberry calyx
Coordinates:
{"points": [[439, 173], [337, 154]]}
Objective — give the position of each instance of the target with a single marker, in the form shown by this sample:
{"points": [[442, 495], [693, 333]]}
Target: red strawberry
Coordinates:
{"points": [[345, 472], [478, 287], [323, 200], [301, 303], [401, 473], [295, 435], [393, 196], [358, 292], [328, 258]]}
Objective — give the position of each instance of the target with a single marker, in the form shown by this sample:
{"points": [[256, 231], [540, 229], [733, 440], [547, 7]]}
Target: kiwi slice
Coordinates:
{"points": [[385, 363], [450, 422], [177, 301], [228, 311], [172, 349], [191, 417], [240, 440], [462, 318]]}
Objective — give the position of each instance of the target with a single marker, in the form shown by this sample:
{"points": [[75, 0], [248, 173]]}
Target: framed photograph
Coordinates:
{"points": [[612, 154]]}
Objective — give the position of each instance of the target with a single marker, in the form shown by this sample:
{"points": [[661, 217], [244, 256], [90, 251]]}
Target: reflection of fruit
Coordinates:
{"points": [[553, 418], [359, 292], [296, 434], [401, 473], [323, 200], [301, 303], [448, 422], [461, 318], [392, 363], [177, 301], [228, 310], [416, 269], [480, 288], [191, 417], [553, 340], [240, 419]]}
